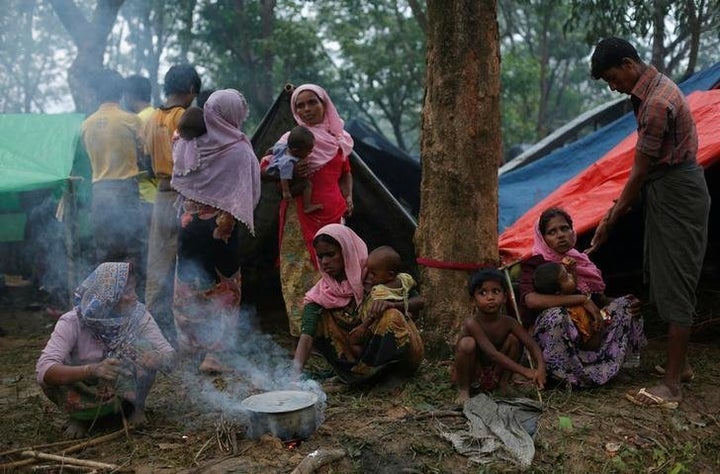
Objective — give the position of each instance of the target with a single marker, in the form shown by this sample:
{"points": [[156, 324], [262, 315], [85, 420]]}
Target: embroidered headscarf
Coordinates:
{"points": [[589, 278], [330, 134], [220, 168], [96, 299], [330, 293]]}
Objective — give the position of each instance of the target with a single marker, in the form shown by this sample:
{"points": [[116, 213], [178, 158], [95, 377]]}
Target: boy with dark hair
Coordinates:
{"points": [[182, 84], [491, 342], [137, 96], [300, 143], [676, 203], [112, 140]]}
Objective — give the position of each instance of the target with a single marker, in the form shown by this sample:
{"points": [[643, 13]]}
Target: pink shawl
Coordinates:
{"points": [[329, 134], [220, 168], [330, 293], [589, 278]]}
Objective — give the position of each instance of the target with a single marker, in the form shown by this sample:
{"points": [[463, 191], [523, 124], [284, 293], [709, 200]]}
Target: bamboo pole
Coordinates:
{"points": [[69, 460], [511, 292]]}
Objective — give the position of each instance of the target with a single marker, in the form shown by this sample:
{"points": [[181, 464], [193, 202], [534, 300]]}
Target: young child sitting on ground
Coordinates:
{"points": [[388, 288], [553, 278], [300, 143], [491, 343]]}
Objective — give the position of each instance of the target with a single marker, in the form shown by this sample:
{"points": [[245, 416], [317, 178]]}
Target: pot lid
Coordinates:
{"points": [[279, 401]]}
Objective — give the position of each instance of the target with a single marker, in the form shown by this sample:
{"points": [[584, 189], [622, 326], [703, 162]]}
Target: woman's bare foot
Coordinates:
{"points": [[76, 429], [211, 365], [137, 418]]}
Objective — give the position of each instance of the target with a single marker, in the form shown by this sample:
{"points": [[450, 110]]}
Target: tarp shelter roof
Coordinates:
{"points": [[591, 193], [523, 188], [37, 151], [399, 171]]}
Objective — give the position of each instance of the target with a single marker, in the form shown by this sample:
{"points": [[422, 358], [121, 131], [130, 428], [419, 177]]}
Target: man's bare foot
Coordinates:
{"points": [[312, 208], [76, 429], [137, 418], [211, 365], [660, 395], [687, 376]]}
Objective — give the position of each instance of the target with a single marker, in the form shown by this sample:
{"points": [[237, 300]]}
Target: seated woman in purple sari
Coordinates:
{"points": [[548, 319]]}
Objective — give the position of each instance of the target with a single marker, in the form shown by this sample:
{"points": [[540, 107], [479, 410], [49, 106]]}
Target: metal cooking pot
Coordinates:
{"points": [[287, 414]]}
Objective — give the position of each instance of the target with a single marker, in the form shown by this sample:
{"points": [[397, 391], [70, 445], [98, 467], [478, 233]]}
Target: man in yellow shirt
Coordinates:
{"points": [[112, 140], [182, 84]]}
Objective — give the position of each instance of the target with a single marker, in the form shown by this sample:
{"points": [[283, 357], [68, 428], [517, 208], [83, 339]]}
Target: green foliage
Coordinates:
{"points": [[32, 75], [380, 61]]}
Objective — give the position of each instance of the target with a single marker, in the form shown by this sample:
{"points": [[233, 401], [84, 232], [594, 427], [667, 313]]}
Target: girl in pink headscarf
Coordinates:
{"points": [[548, 318], [218, 178], [337, 305], [328, 169]]}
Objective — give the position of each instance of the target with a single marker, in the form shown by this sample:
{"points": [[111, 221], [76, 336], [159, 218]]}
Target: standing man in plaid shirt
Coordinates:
{"points": [[676, 202]]}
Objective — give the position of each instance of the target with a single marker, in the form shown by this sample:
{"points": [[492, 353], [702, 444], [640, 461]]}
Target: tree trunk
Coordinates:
{"points": [[658, 45], [461, 151], [90, 38]]}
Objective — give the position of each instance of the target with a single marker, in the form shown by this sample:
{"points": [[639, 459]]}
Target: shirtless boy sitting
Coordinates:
{"points": [[491, 343]]}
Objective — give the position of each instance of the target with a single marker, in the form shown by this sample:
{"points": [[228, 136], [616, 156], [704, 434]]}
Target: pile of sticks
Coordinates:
{"points": [[59, 456]]}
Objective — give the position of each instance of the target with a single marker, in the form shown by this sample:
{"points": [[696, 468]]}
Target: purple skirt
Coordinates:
{"points": [[559, 340]]}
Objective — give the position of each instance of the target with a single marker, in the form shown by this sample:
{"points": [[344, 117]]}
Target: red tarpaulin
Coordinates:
{"points": [[588, 196]]}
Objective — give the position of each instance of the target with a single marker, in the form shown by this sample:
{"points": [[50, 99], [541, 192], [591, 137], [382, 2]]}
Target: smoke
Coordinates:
{"points": [[257, 364]]}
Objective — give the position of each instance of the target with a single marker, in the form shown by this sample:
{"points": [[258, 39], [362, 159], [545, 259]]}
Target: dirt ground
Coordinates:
{"points": [[390, 428]]}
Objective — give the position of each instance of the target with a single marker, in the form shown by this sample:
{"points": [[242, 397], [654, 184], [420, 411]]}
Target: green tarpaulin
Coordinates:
{"points": [[36, 152]]}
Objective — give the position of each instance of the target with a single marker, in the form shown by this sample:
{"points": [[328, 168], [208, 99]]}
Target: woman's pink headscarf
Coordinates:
{"points": [[330, 134], [220, 168], [589, 278], [330, 293]]}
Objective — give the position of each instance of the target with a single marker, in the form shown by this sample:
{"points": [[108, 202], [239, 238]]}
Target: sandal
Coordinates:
{"points": [[644, 398], [686, 377]]}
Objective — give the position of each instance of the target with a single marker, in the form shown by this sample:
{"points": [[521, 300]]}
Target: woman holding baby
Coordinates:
{"points": [[548, 318]]}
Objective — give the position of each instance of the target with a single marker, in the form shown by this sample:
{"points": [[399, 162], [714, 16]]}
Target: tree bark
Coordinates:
{"points": [[461, 150], [90, 38]]}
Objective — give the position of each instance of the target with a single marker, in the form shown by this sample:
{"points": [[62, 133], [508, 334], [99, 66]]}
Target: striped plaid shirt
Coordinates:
{"points": [[666, 129]]}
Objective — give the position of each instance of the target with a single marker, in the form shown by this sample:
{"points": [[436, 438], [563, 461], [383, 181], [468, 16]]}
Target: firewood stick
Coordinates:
{"points": [[317, 459], [72, 449], [69, 460], [62, 468], [38, 446], [16, 464], [93, 442]]}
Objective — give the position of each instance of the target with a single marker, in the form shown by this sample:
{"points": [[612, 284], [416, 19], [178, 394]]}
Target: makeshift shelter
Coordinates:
{"points": [[584, 179], [42, 168], [524, 187], [379, 218]]}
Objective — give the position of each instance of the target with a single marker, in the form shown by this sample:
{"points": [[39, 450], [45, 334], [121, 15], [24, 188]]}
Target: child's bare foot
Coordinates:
{"points": [[76, 429], [506, 390], [312, 208], [462, 396]]}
